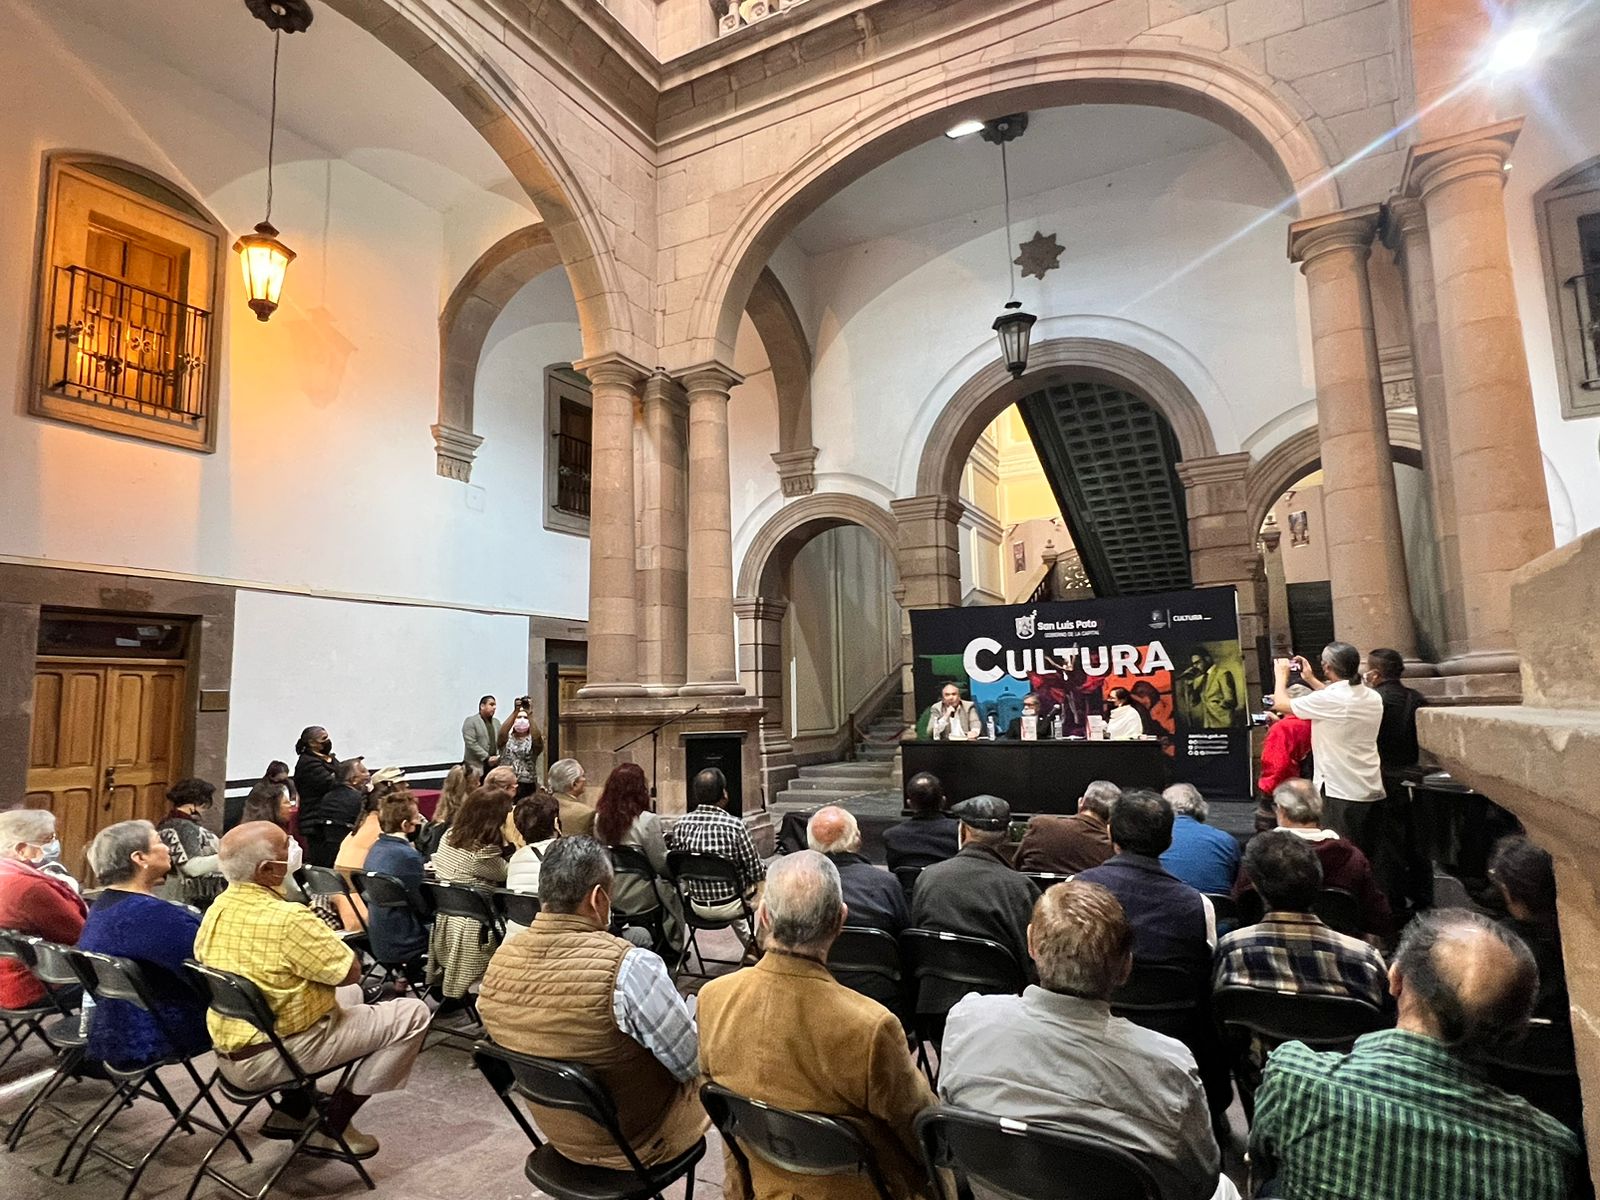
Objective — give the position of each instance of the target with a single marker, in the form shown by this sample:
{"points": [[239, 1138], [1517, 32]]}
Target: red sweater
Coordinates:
{"points": [[1288, 742], [33, 902]]}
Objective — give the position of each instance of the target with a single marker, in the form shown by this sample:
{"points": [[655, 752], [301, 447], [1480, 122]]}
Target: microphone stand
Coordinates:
{"points": [[654, 734]]}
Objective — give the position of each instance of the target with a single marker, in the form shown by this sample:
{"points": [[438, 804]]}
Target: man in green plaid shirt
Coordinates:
{"points": [[1406, 1115]]}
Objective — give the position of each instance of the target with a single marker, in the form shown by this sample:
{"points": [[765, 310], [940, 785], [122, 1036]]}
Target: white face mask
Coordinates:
{"points": [[296, 857]]}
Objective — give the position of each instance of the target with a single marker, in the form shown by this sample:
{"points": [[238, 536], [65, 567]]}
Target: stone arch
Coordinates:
{"points": [[502, 114], [766, 561], [1299, 454], [487, 287], [1260, 112], [991, 390], [789, 352]]}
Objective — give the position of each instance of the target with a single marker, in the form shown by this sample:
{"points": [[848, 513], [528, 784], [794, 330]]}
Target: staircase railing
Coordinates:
{"points": [[870, 708]]}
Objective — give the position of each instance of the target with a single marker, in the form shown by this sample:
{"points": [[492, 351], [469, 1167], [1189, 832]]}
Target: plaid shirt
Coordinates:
{"points": [[646, 1006], [283, 948], [712, 830], [1295, 952], [1403, 1118]]}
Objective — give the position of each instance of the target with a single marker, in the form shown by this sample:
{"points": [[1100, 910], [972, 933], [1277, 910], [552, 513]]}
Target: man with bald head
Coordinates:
{"points": [[310, 980], [821, 1047], [874, 897], [1408, 1112]]}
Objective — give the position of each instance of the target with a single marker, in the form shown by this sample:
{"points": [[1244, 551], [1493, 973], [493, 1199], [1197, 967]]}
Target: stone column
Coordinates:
{"points": [[711, 667], [613, 606], [664, 538], [1497, 471], [1406, 233], [1366, 558], [1222, 546], [761, 670], [929, 562]]}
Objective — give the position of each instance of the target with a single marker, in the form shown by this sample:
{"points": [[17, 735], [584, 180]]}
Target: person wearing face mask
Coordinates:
{"points": [[314, 769], [32, 900], [568, 989], [1022, 728], [309, 977], [520, 746], [195, 878], [336, 812]]}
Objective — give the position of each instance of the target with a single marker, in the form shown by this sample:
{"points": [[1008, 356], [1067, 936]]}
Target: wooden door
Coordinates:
{"points": [[107, 744]]}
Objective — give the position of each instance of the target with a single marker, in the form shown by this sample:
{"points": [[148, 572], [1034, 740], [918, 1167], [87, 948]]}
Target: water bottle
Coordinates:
{"points": [[991, 727], [1056, 727]]}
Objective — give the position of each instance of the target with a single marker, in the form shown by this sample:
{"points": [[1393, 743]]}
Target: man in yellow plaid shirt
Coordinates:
{"points": [[308, 976]]}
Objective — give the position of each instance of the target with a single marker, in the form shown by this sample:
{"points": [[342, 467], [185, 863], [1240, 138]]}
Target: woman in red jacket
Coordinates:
{"points": [[32, 900], [1283, 757]]}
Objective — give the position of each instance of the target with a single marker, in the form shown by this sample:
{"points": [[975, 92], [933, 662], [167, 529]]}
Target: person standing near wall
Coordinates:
{"points": [[480, 736], [521, 743], [1403, 864]]}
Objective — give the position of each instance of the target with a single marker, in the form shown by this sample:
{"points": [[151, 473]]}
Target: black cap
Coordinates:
{"points": [[983, 812]]}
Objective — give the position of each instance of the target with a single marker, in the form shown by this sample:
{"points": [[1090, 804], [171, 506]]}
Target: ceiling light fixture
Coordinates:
{"points": [[263, 258], [1013, 326], [963, 129]]}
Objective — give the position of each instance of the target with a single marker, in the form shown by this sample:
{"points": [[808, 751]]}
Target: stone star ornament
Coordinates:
{"points": [[1040, 253]]}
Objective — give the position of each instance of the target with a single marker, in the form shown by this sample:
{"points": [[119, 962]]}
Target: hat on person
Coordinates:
{"points": [[389, 775], [983, 812]]}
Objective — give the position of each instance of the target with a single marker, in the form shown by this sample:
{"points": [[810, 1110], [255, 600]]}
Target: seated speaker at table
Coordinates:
{"points": [[1032, 725], [952, 718]]}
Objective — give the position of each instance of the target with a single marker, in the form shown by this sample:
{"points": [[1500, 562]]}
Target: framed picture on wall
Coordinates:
{"points": [[1019, 557], [1299, 528]]}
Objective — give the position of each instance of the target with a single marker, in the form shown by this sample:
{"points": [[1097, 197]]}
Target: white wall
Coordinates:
{"points": [[301, 660]]}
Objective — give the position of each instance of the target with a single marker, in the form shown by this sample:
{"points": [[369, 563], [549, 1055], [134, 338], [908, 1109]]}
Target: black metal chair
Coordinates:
{"points": [[1255, 1020], [1226, 909], [63, 1034], [1339, 910], [572, 1087], [689, 867], [334, 884], [1542, 1068], [18, 1025], [109, 978], [973, 964], [1159, 996], [234, 996], [474, 904], [516, 908], [908, 879], [1030, 1161], [868, 961], [801, 1143], [632, 863], [1044, 880], [389, 891]]}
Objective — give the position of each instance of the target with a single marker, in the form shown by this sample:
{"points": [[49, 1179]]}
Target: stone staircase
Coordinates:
{"points": [[874, 767]]}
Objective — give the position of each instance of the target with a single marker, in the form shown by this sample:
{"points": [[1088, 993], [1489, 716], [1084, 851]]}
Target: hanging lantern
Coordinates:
{"points": [[1014, 327], [265, 261]]}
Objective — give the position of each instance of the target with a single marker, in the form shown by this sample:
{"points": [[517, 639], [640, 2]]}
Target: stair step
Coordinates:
{"points": [[826, 777], [819, 798], [877, 753]]}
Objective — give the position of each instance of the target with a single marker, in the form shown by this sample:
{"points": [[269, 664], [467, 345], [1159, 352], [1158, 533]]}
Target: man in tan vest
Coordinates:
{"points": [[785, 1032], [567, 989]]}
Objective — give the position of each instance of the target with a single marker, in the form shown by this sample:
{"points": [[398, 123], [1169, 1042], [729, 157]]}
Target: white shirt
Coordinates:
{"points": [[1124, 724], [1344, 739]]}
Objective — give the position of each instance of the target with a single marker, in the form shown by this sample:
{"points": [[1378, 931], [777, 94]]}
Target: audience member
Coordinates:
{"points": [[709, 828], [1403, 864], [460, 783], [195, 878], [873, 896], [533, 830], [313, 769], [130, 920], [1290, 949], [358, 843], [396, 935], [501, 779], [1031, 724], [976, 893], [1201, 855], [269, 801], [928, 835], [624, 817], [33, 901], [568, 990], [1408, 1112], [1173, 924], [480, 736], [308, 976], [1525, 877], [325, 821], [1056, 1054], [951, 718], [1066, 845], [472, 852], [1345, 715], [1397, 732], [233, 807], [1298, 806], [569, 783], [521, 743], [1283, 756], [1126, 719], [820, 1047]]}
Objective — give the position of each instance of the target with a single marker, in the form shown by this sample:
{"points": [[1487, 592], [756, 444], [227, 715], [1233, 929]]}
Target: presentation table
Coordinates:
{"points": [[1036, 777]]}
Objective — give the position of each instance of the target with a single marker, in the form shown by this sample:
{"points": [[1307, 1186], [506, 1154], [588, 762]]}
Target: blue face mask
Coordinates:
{"points": [[52, 852]]}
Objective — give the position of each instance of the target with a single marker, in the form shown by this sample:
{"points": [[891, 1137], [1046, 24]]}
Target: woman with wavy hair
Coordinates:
{"points": [[473, 851], [624, 817]]}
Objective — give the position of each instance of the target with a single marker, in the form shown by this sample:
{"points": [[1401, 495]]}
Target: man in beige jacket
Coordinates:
{"points": [[785, 1032]]}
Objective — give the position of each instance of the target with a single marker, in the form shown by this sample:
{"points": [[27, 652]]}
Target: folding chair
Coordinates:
{"points": [[1226, 909], [1045, 880], [335, 885], [1339, 910], [1029, 1160], [802, 1143], [1258, 1020], [976, 964], [1542, 1068], [572, 1087], [389, 891], [908, 879], [631, 862], [519, 908], [63, 1035], [17, 1025], [688, 866], [121, 979], [471, 904], [234, 996], [867, 960], [1159, 996]]}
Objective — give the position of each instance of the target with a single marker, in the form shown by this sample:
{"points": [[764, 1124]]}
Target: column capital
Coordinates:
{"points": [[1217, 468], [1352, 229], [710, 377], [759, 608], [612, 370], [928, 508], [797, 471], [1484, 151], [454, 450], [662, 388], [1404, 221]]}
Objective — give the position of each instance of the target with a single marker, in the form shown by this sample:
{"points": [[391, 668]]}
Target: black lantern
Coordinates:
{"points": [[1014, 327]]}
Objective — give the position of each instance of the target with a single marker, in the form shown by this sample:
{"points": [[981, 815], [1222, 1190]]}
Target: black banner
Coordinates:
{"points": [[1175, 654]]}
